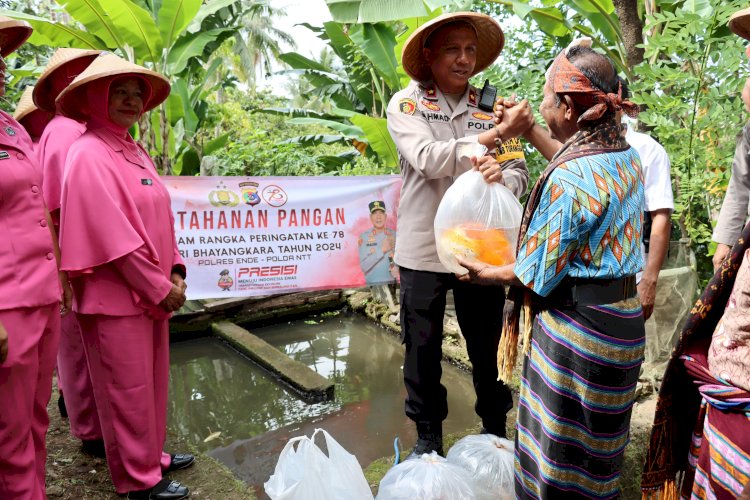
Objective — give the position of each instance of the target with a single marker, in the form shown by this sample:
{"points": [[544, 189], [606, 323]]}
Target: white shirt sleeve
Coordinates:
{"points": [[657, 179]]}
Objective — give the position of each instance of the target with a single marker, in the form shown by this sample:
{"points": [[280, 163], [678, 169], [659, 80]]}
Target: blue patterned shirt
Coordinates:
{"points": [[588, 223]]}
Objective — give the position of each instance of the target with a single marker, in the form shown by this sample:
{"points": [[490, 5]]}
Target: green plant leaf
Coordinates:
{"points": [[317, 139], [349, 131], [551, 21], [92, 15], [215, 144], [192, 45], [377, 136], [344, 11], [138, 29], [209, 8], [701, 7], [522, 9], [174, 17], [298, 61], [54, 34], [189, 117], [175, 106], [189, 163], [373, 11], [378, 45], [297, 113]]}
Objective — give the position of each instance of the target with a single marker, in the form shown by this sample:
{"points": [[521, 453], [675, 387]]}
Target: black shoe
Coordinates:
{"points": [[61, 406], [164, 490], [94, 447], [180, 461], [430, 438]]}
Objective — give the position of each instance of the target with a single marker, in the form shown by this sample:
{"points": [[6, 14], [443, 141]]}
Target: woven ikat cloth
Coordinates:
{"points": [[588, 223]]}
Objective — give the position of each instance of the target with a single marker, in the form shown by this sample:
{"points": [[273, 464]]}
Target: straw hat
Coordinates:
{"points": [[25, 105], [489, 35], [108, 64], [12, 34], [43, 94], [740, 23]]}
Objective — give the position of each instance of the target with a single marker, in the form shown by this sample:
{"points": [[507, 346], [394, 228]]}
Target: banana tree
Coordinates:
{"points": [[173, 37], [359, 91], [373, 11]]}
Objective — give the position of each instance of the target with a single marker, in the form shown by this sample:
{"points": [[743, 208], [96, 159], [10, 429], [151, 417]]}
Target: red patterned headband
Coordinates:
{"points": [[569, 80]]}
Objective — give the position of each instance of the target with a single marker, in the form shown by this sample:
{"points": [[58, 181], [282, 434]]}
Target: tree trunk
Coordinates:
{"points": [[632, 30], [165, 163]]}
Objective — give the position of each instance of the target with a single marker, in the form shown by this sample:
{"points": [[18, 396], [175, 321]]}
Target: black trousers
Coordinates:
{"points": [[479, 312]]}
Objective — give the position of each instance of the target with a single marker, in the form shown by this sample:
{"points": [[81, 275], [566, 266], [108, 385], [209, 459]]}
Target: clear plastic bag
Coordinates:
{"points": [[490, 461], [306, 473], [477, 221], [429, 477]]}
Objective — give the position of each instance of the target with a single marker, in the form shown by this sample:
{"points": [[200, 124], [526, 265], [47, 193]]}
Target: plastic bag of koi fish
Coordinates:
{"points": [[429, 477], [477, 221], [490, 460]]}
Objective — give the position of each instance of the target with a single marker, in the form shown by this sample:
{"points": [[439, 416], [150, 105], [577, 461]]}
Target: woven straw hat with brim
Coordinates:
{"points": [[25, 105], [740, 23], [12, 34], [108, 64], [490, 41], [43, 94]]}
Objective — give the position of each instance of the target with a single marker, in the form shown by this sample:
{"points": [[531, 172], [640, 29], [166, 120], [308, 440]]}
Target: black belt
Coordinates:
{"points": [[573, 292]]}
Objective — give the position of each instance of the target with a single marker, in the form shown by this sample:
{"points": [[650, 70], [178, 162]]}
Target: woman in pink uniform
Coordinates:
{"points": [[118, 245], [72, 369], [30, 117], [29, 301]]}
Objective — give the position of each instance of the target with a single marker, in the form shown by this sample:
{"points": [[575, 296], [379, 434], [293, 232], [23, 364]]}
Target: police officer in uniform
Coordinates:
{"points": [[436, 123], [376, 248]]}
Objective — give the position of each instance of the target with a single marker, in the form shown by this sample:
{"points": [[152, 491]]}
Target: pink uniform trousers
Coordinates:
{"points": [[25, 389], [129, 362], [73, 369]]}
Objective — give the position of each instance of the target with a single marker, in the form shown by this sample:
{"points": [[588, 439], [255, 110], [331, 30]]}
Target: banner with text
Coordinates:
{"points": [[249, 236]]}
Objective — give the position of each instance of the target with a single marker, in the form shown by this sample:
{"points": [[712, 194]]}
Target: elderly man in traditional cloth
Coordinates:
{"points": [[436, 123], [579, 252], [700, 441]]}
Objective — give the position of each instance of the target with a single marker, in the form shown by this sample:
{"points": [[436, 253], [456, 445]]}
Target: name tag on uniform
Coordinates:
{"points": [[147, 182], [432, 116], [4, 155]]}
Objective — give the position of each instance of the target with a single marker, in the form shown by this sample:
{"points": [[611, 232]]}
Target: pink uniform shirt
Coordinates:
{"points": [[52, 150], [28, 270], [117, 230]]}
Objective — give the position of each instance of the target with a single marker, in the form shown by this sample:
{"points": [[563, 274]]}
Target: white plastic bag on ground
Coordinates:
{"points": [[477, 221], [306, 473], [490, 461], [429, 477]]}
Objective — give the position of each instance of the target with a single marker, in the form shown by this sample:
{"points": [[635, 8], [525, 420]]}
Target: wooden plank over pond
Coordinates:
{"points": [[311, 385]]}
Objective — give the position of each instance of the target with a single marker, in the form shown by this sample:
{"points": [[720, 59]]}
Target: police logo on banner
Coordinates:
{"points": [[250, 193], [223, 197]]}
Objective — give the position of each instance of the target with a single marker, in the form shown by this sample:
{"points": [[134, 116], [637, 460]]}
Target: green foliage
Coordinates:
{"points": [[178, 38], [690, 85], [374, 11], [520, 71], [359, 89], [258, 143]]}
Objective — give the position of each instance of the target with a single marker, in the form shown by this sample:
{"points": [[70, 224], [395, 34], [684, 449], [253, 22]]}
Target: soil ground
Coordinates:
{"points": [[74, 475]]}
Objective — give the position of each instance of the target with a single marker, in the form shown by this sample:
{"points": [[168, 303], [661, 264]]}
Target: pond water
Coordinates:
{"points": [[237, 413]]}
